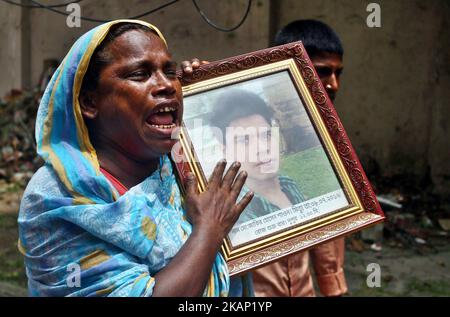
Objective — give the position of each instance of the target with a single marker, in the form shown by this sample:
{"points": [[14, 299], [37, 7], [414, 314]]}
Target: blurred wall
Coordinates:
{"points": [[394, 98], [10, 47], [187, 34]]}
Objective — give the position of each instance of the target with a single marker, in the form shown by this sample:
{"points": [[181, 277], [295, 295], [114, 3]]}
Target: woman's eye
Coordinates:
{"points": [[171, 72], [138, 75]]}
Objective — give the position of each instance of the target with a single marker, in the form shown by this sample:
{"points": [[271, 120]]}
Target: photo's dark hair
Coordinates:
{"points": [[316, 36], [236, 104], [100, 58]]}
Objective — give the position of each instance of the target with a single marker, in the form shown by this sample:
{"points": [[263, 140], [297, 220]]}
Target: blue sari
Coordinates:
{"points": [[78, 235]]}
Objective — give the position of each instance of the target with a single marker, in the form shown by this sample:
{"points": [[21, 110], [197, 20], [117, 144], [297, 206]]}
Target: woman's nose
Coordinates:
{"points": [[163, 85]]}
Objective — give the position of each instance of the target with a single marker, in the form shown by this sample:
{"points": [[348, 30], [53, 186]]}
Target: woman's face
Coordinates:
{"points": [[138, 101], [254, 146]]}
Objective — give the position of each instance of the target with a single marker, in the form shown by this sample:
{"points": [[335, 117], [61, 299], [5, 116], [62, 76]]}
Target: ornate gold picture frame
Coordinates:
{"points": [[269, 109]]}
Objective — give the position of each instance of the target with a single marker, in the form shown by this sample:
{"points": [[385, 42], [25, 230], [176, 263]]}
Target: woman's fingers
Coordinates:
{"points": [[230, 175], [216, 176], [191, 185], [238, 184], [240, 206], [195, 62], [186, 67]]}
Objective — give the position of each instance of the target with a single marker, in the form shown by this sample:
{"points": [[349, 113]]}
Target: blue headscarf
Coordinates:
{"points": [[78, 235]]}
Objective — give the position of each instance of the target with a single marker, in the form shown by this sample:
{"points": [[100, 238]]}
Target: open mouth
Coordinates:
{"points": [[164, 118]]}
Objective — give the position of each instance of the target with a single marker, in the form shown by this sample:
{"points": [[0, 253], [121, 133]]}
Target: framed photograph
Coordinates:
{"points": [[269, 111]]}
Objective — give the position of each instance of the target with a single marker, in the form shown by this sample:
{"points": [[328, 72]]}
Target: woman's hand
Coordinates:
{"points": [[188, 67], [215, 211], [212, 214]]}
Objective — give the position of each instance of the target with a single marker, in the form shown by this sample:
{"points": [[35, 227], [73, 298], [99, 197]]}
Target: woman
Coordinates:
{"points": [[104, 216]]}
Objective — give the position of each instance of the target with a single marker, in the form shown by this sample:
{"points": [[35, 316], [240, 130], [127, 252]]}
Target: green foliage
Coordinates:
{"points": [[312, 171]]}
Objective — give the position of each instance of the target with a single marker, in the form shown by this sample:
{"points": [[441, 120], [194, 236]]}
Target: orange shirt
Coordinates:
{"points": [[291, 276]]}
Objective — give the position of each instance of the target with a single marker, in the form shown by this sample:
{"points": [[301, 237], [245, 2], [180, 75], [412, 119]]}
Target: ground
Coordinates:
{"points": [[404, 272], [12, 274], [406, 269]]}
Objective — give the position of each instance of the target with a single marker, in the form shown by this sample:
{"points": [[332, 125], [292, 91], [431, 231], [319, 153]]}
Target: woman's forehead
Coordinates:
{"points": [[136, 44]]}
